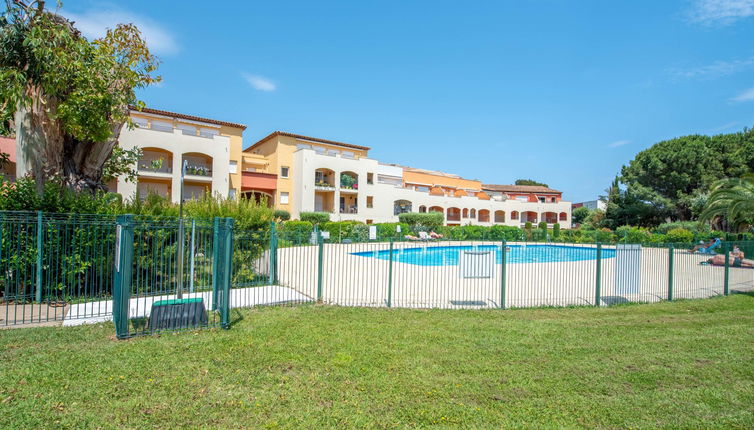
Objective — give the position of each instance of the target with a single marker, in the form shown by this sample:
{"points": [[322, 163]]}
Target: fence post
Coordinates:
{"points": [[191, 261], [273, 253], [726, 281], [40, 251], [227, 269], [670, 272], [215, 260], [503, 273], [320, 244], [124, 252], [598, 284], [390, 278]]}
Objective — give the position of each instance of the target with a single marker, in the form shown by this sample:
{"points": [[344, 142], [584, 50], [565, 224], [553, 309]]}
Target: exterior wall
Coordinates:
{"points": [[384, 195], [178, 144], [592, 205], [413, 177]]}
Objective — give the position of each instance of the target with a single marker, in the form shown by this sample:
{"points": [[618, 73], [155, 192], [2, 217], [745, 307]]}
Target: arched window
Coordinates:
{"points": [[401, 207], [453, 214], [349, 181], [484, 215], [514, 215], [472, 214], [422, 209], [563, 216], [549, 217], [465, 213], [499, 216], [437, 209]]}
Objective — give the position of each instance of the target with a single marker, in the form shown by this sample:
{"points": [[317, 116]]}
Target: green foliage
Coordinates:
{"points": [[431, 221], [530, 182], [120, 164], [556, 230], [667, 179], [679, 235], [528, 226], [347, 181], [339, 230], [296, 232], [22, 196], [281, 215], [247, 213], [579, 215], [732, 200], [315, 217], [387, 230], [632, 234]]}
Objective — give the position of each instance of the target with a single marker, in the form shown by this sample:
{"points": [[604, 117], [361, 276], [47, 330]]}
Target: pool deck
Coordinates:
{"points": [[355, 280]]}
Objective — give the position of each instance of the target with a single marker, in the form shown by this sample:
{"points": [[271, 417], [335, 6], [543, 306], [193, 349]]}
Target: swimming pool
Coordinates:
{"points": [[448, 255]]}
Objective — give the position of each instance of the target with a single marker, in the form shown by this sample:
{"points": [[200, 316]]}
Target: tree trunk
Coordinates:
{"points": [[45, 153]]}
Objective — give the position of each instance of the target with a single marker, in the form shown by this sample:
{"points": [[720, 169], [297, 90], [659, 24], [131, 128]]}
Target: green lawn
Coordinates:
{"points": [[686, 364]]}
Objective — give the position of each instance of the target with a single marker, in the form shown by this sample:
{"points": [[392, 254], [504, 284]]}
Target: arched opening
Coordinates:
{"points": [[349, 181], [514, 215], [484, 215], [465, 213], [549, 217], [563, 216], [436, 209], [155, 160], [499, 216], [401, 207], [197, 164], [529, 216], [324, 178], [259, 197], [453, 214], [422, 209], [472, 214]]}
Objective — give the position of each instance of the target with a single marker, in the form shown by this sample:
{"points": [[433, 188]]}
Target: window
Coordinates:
{"points": [[162, 126], [542, 200], [186, 129], [208, 132], [369, 221], [283, 198], [348, 154], [284, 172], [233, 167], [140, 122], [370, 202], [370, 178], [554, 199], [303, 146], [522, 198]]}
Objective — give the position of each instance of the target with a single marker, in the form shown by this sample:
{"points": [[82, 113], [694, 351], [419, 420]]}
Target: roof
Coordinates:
{"points": [[313, 139], [8, 146], [188, 117], [519, 188], [433, 172]]}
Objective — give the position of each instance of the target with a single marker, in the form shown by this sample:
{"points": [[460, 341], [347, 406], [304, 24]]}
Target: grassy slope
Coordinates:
{"points": [[683, 364]]}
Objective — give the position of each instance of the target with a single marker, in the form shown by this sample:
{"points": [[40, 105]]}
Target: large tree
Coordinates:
{"points": [[67, 98], [732, 201], [668, 179]]}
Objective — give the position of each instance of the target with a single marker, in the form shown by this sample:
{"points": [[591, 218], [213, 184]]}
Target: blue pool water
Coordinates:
{"points": [[448, 255]]}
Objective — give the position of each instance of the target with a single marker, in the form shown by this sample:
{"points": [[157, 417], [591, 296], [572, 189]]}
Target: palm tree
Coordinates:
{"points": [[732, 199]]}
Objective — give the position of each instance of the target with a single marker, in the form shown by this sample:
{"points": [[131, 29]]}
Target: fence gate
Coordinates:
{"points": [[171, 274]]}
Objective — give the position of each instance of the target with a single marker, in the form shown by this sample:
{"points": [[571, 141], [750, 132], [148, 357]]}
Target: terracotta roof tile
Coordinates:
{"points": [[188, 117], [313, 139], [519, 188]]}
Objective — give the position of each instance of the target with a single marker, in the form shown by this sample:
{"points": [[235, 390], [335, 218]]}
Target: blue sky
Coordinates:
{"points": [[565, 92]]}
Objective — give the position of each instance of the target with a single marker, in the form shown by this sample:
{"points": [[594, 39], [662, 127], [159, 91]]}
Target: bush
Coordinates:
{"points": [[556, 230], [504, 232], [281, 215], [247, 213], [339, 230], [692, 226], [296, 232], [315, 217], [422, 221], [387, 230], [631, 234], [680, 235]]}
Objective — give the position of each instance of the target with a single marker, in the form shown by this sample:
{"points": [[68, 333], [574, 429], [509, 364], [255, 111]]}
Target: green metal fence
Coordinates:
{"points": [[142, 272], [54, 266]]}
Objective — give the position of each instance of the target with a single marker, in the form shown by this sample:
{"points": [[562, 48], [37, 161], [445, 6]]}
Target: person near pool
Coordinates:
{"points": [[706, 247], [735, 259]]}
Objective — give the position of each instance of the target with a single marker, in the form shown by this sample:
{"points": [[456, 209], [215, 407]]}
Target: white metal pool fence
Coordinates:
{"points": [[85, 268]]}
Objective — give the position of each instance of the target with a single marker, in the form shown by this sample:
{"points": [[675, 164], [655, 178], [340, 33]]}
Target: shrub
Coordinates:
{"points": [[631, 234], [692, 226], [339, 230], [680, 235], [387, 230], [247, 213], [556, 230], [504, 232], [315, 217], [527, 226], [296, 232], [422, 221], [281, 215]]}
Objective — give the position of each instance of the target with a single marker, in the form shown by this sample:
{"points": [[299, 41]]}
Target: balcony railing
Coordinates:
{"points": [[198, 170], [151, 168], [349, 210]]}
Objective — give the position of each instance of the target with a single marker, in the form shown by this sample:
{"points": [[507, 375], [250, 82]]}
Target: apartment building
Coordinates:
{"points": [[209, 149], [8, 169], [301, 173]]}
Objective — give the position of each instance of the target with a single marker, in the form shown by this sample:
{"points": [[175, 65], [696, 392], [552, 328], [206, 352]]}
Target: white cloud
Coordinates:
{"points": [[94, 24], [259, 83], [746, 96], [618, 143], [720, 12], [714, 70]]}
